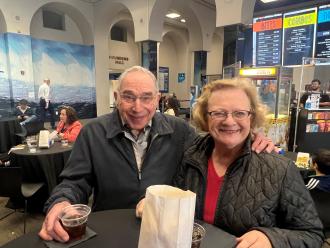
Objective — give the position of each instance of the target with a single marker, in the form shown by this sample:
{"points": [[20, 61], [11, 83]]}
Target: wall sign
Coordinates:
{"points": [[181, 77], [118, 59], [163, 79]]}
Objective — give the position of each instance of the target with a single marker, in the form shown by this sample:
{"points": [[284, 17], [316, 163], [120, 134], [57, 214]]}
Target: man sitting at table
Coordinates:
{"points": [[24, 112], [118, 155]]}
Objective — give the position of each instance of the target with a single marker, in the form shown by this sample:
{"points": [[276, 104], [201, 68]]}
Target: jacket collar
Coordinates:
{"points": [[114, 125], [203, 148]]}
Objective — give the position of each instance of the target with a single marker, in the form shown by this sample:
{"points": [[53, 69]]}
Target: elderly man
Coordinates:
{"points": [[119, 155]]}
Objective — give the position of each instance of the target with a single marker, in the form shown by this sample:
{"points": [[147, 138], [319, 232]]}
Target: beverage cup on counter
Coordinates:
{"points": [[32, 145], [64, 142], [74, 220], [198, 235]]}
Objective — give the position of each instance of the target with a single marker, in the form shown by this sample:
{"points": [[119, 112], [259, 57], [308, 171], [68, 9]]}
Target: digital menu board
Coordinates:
{"points": [[322, 46], [299, 28], [267, 40]]}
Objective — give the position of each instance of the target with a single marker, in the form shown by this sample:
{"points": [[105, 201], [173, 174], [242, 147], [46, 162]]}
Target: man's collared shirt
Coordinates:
{"points": [[139, 142]]}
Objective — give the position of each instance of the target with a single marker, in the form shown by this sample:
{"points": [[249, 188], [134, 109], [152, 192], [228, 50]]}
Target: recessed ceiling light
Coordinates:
{"points": [[268, 1], [183, 20], [173, 15]]}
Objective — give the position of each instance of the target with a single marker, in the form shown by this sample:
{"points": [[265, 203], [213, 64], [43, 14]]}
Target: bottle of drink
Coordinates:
{"points": [[308, 103]]}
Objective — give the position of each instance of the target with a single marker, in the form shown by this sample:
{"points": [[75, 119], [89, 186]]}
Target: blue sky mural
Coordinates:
{"points": [[70, 67]]}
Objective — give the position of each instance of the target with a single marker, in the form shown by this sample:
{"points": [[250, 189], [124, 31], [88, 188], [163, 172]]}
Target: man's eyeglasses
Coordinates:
{"points": [[145, 99], [237, 115]]}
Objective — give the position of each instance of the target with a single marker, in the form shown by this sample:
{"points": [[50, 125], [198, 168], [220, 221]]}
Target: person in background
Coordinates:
{"points": [[45, 104], [260, 198], [316, 88], [176, 102], [118, 155], [69, 126], [321, 165], [161, 104], [171, 107], [24, 112]]}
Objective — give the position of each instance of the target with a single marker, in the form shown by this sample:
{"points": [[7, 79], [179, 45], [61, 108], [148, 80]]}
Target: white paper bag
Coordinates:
{"points": [[168, 218]]}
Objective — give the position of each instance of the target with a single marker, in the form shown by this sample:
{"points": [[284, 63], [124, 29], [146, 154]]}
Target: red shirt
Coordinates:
{"points": [[71, 132], [213, 187]]}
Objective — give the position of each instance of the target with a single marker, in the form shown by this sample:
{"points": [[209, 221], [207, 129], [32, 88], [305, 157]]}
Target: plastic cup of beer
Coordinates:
{"points": [[198, 235], [32, 145], [64, 142], [74, 220]]}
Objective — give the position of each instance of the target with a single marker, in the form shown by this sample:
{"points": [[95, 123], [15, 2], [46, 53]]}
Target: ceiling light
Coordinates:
{"points": [[268, 1], [183, 20], [173, 15]]}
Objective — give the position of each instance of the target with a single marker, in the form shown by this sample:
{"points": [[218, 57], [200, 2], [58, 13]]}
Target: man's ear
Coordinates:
{"points": [[158, 96], [115, 94]]}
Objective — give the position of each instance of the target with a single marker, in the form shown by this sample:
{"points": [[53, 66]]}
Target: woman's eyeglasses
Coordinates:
{"points": [[222, 115]]}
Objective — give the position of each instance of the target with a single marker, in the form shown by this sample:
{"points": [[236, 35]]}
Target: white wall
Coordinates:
{"points": [[215, 56], [70, 34], [19, 13], [129, 49], [173, 53]]}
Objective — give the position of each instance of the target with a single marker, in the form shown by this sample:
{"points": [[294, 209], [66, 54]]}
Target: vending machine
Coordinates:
{"points": [[274, 86]]}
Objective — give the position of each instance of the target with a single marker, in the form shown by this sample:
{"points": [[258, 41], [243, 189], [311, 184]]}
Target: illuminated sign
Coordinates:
{"points": [[258, 72], [322, 44], [267, 40], [299, 28]]}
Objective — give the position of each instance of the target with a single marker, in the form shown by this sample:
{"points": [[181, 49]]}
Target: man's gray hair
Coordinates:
{"points": [[137, 68]]}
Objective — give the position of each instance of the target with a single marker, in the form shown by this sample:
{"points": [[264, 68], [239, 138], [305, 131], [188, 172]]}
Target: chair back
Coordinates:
{"points": [[10, 181], [322, 204]]}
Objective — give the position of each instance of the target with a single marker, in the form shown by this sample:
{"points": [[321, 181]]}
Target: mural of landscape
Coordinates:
{"points": [[26, 61]]}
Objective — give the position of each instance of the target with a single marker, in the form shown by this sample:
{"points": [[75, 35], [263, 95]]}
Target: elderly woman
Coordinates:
{"points": [[68, 127], [261, 198]]}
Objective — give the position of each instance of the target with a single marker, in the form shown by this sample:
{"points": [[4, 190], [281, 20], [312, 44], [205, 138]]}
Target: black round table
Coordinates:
{"points": [[120, 228], [43, 166], [8, 127]]}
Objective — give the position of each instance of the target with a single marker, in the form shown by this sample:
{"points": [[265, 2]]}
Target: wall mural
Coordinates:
{"points": [[70, 67]]}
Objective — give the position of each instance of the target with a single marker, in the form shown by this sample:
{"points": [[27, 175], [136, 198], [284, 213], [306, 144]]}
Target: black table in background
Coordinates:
{"points": [[120, 228], [8, 127], [43, 166]]}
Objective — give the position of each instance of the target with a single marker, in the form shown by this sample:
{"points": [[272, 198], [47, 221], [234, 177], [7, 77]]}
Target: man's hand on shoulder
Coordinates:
{"points": [[261, 143]]}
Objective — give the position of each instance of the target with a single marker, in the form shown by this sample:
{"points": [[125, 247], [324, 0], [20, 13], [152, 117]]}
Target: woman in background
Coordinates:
{"points": [[171, 107], [69, 127]]}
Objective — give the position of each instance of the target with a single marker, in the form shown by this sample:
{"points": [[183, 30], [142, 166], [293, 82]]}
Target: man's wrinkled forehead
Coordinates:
{"points": [[137, 77]]}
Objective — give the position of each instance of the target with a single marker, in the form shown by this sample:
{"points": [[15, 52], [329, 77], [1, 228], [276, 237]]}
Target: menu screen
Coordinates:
{"points": [[299, 28], [267, 40], [322, 49]]}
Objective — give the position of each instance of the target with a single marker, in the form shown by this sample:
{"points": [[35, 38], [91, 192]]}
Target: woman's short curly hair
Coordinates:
{"points": [[258, 109]]}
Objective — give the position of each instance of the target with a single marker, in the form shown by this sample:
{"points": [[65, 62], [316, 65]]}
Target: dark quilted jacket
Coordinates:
{"points": [[260, 191]]}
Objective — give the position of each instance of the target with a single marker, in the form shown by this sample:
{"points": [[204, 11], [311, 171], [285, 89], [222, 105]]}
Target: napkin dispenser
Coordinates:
{"points": [[44, 139]]}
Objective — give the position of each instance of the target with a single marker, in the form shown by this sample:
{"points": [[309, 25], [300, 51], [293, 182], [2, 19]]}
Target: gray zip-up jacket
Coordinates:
{"points": [[103, 160]]}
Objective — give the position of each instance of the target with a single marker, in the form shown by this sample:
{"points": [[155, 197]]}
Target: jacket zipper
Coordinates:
{"points": [[140, 170]]}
